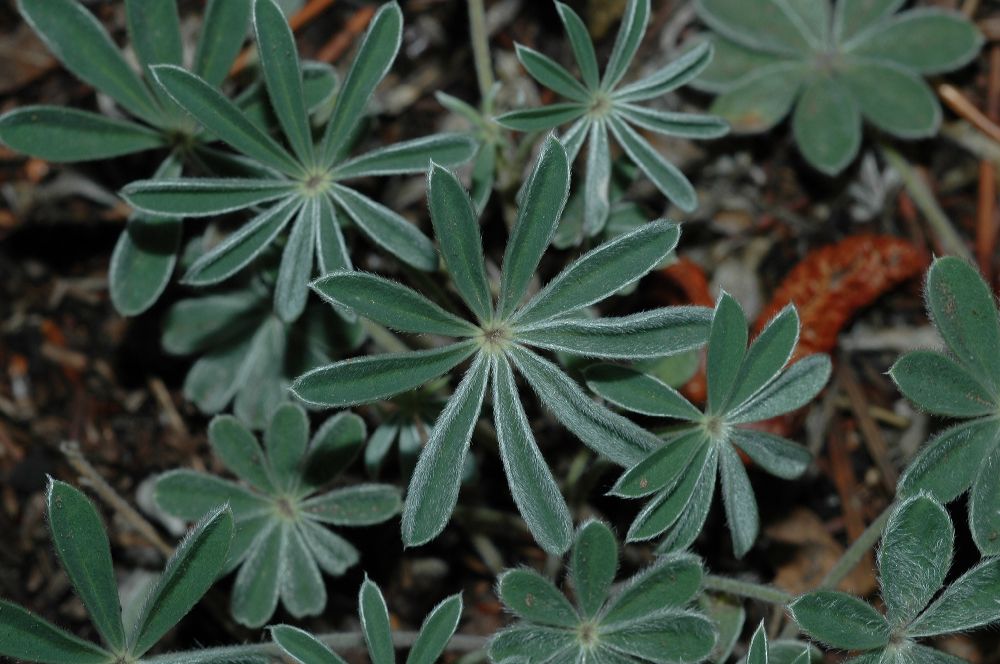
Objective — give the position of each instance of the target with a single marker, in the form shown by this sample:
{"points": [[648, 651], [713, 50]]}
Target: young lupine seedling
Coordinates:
{"points": [[146, 252], [281, 542], [247, 357], [835, 65], [745, 385], [498, 339], [913, 562], [962, 383], [438, 628], [648, 620], [600, 104], [303, 180], [85, 554]]}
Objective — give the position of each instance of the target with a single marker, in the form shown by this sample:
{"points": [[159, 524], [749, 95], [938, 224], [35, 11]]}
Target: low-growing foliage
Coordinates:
{"points": [[85, 555], [648, 619], [745, 385], [247, 356], [302, 180], [913, 562], [480, 335], [439, 626], [601, 104], [281, 542], [962, 383], [499, 340], [834, 65], [146, 252]]}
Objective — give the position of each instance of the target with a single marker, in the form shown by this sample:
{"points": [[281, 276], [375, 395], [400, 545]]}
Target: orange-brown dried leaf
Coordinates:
{"points": [[832, 283]]}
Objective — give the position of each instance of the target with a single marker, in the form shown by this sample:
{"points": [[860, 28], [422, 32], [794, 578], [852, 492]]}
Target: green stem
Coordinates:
{"points": [[269, 652], [923, 198], [480, 47], [856, 551], [758, 591]]}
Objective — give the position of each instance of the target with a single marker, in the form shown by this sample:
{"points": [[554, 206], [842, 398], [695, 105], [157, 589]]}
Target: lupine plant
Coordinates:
{"points": [[85, 554], [648, 619], [146, 252], [599, 104], [247, 356], [745, 385], [303, 179], [834, 65], [281, 542], [485, 327], [913, 562], [962, 383], [498, 341], [439, 626]]}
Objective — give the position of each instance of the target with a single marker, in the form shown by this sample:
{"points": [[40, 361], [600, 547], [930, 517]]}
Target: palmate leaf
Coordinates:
{"points": [[598, 106], [645, 621], [498, 341], [280, 546], [744, 386], [861, 62]]}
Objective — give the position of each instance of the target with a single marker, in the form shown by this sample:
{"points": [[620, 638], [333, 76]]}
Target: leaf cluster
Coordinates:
{"points": [[834, 65], [498, 339], [600, 105], [85, 555], [648, 619], [281, 540], [745, 386], [913, 562]]}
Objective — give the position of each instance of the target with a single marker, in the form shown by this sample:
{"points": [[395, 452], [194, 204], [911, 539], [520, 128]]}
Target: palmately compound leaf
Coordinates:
{"points": [[600, 107], [499, 341], [964, 382], [82, 546], [648, 620], [745, 385], [431, 640], [913, 563], [303, 184], [281, 544], [146, 252], [830, 65]]}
